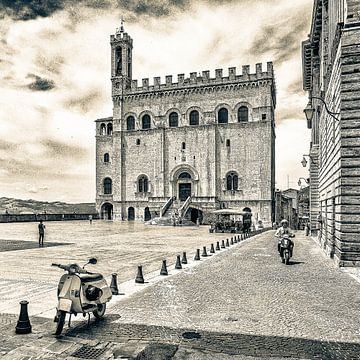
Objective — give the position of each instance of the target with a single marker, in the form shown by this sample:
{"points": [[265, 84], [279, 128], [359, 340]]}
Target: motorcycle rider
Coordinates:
{"points": [[284, 229]]}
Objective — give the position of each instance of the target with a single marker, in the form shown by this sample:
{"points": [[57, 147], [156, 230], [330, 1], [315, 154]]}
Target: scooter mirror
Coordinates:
{"points": [[93, 261]]}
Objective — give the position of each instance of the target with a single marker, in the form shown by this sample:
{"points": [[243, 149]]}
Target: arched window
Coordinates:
{"points": [[106, 157], [232, 181], [243, 114], [130, 123], [184, 175], [107, 186], [109, 129], [173, 119], [102, 129], [143, 184], [194, 117], [146, 122], [118, 65], [183, 146], [223, 116]]}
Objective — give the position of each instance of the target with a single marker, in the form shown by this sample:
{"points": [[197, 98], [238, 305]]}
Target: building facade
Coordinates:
{"points": [[331, 73], [195, 144]]}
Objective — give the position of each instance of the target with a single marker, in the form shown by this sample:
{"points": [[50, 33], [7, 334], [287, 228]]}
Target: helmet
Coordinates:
{"points": [[284, 221]]}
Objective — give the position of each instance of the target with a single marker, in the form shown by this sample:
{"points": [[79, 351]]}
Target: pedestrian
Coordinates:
{"points": [[41, 227], [90, 219]]}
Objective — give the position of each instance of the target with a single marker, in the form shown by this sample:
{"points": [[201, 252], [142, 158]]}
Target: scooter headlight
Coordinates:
{"points": [[72, 270]]}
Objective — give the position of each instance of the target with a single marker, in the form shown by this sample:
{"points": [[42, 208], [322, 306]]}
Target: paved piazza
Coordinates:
{"points": [[242, 303]]}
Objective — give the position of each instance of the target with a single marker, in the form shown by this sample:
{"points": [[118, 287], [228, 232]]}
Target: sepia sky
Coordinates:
{"points": [[55, 77]]}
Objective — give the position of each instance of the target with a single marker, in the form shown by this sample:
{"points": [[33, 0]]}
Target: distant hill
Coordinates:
{"points": [[18, 206]]}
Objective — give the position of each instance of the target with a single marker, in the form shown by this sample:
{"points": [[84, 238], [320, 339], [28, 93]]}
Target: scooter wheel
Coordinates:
{"points": [[100, 312], [60, 323]]}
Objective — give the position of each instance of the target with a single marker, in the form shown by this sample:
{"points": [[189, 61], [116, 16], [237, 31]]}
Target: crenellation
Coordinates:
{"points": [[168, 80], [145, 83], [232, 73], [134, 85], [258, 68], [181, 78], [270, 67], [157, 82], [193, 77], [218, 74], [206, 75], [245, 70]]}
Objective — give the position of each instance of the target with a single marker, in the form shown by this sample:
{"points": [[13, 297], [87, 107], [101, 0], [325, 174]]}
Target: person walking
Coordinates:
{"points": [[90, 219], [41, 227]]}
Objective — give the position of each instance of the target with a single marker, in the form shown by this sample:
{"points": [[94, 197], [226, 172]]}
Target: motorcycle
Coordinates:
{"points": [[285, 248], [80, 292]]}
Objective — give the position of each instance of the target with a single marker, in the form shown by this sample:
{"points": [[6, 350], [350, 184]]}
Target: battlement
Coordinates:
{"points": [[204, 78]]}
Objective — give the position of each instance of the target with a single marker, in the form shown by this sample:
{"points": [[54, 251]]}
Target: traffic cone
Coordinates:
{"points": [[217, 246], [197, 255], [231, 241], [204, 254], [227, 243], [184, 259], [23, 325], [114, 286], [222, 244], [212, 250], [163, 270], [178, 263], [139, 277]]}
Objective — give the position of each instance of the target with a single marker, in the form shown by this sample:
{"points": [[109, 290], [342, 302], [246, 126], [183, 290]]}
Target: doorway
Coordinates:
{"points": [[147, 214], [131, 213], [107, 211], [184, 191]]}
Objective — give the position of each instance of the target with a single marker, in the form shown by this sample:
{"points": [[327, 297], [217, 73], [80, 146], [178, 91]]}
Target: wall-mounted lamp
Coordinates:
{"points": [[307, 181], [304, 161], [309, 110]]}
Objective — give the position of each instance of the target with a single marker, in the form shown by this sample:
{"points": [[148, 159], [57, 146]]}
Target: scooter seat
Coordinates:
{"points": [[90, 277]]}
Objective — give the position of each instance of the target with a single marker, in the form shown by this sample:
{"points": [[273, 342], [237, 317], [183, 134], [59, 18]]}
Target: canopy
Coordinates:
{"points": [[230, 212]]}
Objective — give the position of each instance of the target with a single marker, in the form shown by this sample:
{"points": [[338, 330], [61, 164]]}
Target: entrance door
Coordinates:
{"points": [[184, 191]]}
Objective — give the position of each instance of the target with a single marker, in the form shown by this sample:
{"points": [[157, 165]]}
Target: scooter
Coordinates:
{"points": [[285, 248], [80, 292]]}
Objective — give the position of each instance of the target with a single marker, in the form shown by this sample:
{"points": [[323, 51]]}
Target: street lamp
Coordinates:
{"points": [[304, 162], [307, 181], [309, 110]]}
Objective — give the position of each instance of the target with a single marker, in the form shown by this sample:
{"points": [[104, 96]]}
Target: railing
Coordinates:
{"points": [[184, 207], [166, 206]]}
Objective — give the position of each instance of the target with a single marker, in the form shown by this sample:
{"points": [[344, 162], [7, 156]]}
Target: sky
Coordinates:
{"points": [[55, 77]]}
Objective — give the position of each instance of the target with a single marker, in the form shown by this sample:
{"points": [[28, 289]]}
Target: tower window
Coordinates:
{"points": [[130, 123], [183, 146], [227, 142], [194, 117], [263, 116], [243, 114], [173, 119], [137, 141], [106, 157], [146, 122], [107, 186], [118, 57], [223, 116], [143, 184], [102, 129], [232, 181], [109, 129]]}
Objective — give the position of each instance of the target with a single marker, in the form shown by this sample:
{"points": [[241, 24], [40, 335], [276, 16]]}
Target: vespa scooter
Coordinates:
{"points": [[285, 248], [80, 292]]}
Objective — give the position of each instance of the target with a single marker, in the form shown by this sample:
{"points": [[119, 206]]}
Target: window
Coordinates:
{"points": [[263, 116], [232, 181], [173, 119], [183, 146], [137, 141], [143, 184], [146, 122], [109, 129], [223, 116], [130, 123], [184, 175], [227, 142], [107, 186], [243, 114], [106, 157], [102, 129], [118, 64], [194, 117]]}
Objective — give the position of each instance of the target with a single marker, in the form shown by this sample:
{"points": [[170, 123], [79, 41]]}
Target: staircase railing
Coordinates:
{"points": [[184, 207], [166, 206]]}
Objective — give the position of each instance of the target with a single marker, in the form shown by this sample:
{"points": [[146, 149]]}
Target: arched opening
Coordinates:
{"points": [[247, 219], [106, 157], [143, 184], [130, 123], [146, 121], [194, 117], [232, 181], [243, 114], [118, 57], [106, 211], [174, 119], [107, 186], [109, 129], [184, 183], [102, 129], [131, 213], [184, 175], [195, 215], [223, 116], [147, 214]]}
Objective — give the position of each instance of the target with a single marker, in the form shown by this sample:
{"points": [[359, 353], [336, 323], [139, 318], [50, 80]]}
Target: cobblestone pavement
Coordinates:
{"points": [[241, 304]]}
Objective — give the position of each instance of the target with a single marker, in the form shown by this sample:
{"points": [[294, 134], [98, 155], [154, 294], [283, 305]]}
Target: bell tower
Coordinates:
{"points": [[121, 58]]}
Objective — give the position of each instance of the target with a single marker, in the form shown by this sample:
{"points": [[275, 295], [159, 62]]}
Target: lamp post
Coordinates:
{"points": [[304, 162], [307, 181], [309, 110]]}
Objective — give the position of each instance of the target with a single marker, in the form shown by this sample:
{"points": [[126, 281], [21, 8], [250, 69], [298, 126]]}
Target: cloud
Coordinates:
{"points": [[40, 84]]}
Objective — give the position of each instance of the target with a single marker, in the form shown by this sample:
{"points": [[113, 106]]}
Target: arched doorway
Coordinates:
{"points": [[247, 219], [196, 214], [107, 211], [147, 214], [184, 184], [131, 213]]}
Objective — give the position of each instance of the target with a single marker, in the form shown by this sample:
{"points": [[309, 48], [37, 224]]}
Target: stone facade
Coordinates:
{"points": [[209, 138], [331, 59]]}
